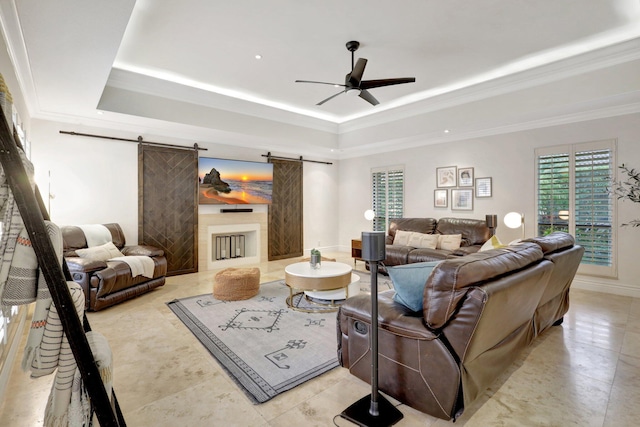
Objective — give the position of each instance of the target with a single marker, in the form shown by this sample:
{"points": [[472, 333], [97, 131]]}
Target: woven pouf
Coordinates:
{"points": [[232, 284]]}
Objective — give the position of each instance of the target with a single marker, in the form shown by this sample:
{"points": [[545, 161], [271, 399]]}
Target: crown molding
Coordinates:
{"points": [[480, 130], [149, 85], [16, 47]]}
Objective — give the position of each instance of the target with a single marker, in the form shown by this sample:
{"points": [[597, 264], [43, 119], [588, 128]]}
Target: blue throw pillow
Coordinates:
{"points": [[409, 280]]}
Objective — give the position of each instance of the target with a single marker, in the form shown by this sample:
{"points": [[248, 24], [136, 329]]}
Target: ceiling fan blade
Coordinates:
{"points": [[370, 84], [364, 94], [322, 83], [355, 76], [331, 97]]}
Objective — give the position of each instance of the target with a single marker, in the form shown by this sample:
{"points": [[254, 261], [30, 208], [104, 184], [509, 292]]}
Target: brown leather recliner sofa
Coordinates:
{"points": [[474, 234], [479, 312], [106, 283]]}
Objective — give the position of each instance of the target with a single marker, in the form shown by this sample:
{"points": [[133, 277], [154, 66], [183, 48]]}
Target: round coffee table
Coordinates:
{"points": [[332, 282]]}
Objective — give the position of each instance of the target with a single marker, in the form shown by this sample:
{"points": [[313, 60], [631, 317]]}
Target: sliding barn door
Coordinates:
{"points": [[285, 212], [168, 204]]}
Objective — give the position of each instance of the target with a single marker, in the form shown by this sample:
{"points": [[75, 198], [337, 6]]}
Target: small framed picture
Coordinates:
{"points": [[483, 187], [440, 198], [446, 177], [465, 177], [462, 200]]}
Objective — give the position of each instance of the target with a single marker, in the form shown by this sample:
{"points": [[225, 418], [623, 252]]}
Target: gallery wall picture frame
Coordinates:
{"points": [[446, 177], [440, 198], [462, 199], [465, 177], [484, 187]]}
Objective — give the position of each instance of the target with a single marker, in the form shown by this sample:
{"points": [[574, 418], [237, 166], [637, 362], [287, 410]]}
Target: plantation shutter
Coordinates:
{"points": [[576, 178], [553, 192], [593, 205], [387, 194]]}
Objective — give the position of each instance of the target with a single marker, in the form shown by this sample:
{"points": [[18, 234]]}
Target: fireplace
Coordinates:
{"points": [[231, 245], [243, 236]]}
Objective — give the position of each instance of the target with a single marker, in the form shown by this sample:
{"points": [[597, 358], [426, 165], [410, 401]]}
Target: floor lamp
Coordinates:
{"points": [[373, 410], [515, 220]]}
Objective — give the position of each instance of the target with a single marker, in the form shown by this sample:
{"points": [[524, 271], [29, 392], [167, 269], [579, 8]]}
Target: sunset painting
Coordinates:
{"points": [[234, 182]]}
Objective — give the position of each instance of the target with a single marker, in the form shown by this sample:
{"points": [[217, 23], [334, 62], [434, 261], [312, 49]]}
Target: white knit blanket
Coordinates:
{"points": [[21, 288], [96, 234], [72, 406], [139, 264], [11, 221]]}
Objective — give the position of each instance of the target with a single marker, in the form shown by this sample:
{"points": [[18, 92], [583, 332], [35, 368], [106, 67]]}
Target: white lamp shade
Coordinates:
{"points": [[513, 220], [369, 215]]}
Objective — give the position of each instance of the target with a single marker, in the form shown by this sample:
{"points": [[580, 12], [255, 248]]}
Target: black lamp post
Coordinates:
{"points": [[373, 410]]}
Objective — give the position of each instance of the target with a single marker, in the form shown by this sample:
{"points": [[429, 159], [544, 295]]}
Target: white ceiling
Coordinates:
{"points": [[69, 53]]}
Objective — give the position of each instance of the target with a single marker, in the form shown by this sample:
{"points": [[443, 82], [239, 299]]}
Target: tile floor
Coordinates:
{"points": [[583, 373]]}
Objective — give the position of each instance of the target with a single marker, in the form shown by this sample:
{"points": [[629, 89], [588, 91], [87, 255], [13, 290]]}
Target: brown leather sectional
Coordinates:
{"points": [[106, 283], [474, 234], [480, 311]]}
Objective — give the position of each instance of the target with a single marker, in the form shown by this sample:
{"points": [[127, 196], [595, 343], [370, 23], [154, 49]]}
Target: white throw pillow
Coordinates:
{"points": [[414, 240], [100, 253], [492, 243], [449, 242], [402, 238], [421, 240]]}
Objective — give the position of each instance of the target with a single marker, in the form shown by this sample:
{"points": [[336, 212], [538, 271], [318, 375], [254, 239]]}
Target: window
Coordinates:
{"points": [[387, 194], [572, 196]]}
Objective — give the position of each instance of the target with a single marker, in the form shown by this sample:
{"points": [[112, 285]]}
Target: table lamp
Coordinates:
{"points": [[492, 223]]}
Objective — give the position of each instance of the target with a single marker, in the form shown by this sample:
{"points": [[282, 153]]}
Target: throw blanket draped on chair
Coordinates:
{"points": [[139, 264], [96, 234]]}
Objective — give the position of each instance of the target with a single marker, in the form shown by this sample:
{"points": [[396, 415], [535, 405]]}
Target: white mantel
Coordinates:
{"points": [[252, 224]]}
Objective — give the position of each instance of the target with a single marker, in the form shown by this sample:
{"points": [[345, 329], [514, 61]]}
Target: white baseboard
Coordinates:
{"points": [[606, 286]]}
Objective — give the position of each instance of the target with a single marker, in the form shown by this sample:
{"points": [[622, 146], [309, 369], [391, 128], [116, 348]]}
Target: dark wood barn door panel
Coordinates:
{"points": [[285, 212], [168, 204]]}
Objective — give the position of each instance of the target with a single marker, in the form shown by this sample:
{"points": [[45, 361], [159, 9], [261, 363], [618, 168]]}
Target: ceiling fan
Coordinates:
{"points": [[353, 83]]}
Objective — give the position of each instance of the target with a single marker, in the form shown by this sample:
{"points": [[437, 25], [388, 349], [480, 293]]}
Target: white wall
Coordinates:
{"points": [[96, 180], [509, 160]]}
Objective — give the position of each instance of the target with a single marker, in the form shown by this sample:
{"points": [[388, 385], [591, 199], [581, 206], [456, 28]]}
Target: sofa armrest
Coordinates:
{"points": [[392, 316], [84, 265], [142, 250], [466, 250]]}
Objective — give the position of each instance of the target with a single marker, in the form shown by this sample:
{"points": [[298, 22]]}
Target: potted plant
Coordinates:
{"points": [[315, 258]]}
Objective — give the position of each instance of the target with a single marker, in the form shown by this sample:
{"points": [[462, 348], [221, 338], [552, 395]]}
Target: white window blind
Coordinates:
{"points": [[572, 196], [387, 195], [594, 205], [553, 192]]}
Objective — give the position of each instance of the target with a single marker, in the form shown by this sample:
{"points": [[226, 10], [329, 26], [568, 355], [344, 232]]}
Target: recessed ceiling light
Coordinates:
{"points": [[447, 131], [258, 56], [99, 113]]}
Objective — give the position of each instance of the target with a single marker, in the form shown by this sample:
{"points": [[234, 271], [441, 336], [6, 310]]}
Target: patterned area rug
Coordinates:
{"points": [[266, 347]]}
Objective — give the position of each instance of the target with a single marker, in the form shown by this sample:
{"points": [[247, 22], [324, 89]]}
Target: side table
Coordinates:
{"points": [[356, 250]]}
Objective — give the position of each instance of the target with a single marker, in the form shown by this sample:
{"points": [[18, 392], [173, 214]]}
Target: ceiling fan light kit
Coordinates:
{"points": [[353, 83]]}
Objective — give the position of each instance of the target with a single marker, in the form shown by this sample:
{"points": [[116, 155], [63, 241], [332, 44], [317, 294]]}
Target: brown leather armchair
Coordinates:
{"points": [[106, 283]]}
